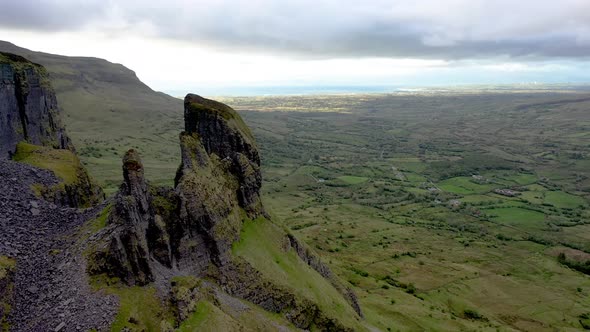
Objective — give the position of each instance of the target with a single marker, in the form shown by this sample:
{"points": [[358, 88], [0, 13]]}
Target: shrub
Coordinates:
{"points": [[474, 315]]}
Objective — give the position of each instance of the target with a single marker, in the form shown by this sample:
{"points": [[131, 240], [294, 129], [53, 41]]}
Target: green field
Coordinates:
{"points": [[464, 185], [353, 179], [517, 216], [561, 199]]}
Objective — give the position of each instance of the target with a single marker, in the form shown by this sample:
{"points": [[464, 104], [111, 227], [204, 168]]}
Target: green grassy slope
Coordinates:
{"points": [[262, 245]]}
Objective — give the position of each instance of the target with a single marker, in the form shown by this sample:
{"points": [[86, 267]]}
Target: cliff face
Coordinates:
{"points": [[223, 133], [28, 107], [31, 131], [153, 233]]}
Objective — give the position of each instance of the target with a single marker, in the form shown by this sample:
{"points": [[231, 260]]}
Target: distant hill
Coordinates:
{"points": [[107, 110]]}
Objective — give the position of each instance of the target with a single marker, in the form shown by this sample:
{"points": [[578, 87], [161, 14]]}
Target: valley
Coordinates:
{"points": [[446, 211], [436, 207]]}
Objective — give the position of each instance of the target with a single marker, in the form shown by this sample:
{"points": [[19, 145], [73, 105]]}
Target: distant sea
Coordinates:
{"points": [[285, 90], [329, 90]]}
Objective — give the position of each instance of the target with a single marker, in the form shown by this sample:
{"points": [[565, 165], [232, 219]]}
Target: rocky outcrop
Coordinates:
{"points": [[154, 232], [125, 254], [222, 132], [194, 225], [28, 107], [242, 280], [31, 132]]}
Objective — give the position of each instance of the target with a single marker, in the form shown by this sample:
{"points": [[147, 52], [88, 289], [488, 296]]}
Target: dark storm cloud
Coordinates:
{"points": [[451, 29]]}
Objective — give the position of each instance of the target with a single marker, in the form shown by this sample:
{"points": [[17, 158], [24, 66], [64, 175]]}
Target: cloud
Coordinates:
{"points": [[49, 15], [451, 29]]}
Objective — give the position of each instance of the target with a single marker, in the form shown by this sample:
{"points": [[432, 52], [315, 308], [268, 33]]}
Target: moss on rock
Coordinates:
{"points": [[76, 188], [7, 269]]}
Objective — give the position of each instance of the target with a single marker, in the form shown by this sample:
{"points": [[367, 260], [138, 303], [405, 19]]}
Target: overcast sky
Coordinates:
{"points": [[181, 45]]}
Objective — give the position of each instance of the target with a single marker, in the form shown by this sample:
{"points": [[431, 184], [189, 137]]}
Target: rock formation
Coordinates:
{"points": [[28, 107], [31, 131], [153, 233], [217, 186], [223, 132]]}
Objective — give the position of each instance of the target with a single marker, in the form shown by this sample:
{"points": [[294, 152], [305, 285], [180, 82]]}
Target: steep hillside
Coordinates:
{"points": [[107, 110]]}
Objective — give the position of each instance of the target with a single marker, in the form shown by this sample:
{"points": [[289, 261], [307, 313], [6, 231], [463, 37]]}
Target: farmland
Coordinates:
{"points": [[444, 211]]}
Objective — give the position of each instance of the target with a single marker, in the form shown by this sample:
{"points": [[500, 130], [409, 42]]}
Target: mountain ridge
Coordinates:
{"points": [[105, 104]]}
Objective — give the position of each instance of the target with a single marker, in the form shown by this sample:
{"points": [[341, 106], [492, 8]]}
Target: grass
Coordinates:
{"points": [[207, 317], [353, 179], [517, 216], [63, 163], [561, 199], [6, 264], [100, 222], [140, 308], [522, 179], [464, 186], [260, 244]]}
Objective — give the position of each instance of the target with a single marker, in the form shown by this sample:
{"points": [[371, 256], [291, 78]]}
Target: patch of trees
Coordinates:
{"points": [[468, 165], [473, 315], [583, 267]]}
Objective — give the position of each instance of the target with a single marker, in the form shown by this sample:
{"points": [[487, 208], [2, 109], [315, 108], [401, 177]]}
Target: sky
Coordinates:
{"points": [[221, 46]]}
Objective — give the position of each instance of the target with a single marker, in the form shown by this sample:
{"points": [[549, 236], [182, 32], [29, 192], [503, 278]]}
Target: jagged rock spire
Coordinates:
{"points": [[135, 184]]}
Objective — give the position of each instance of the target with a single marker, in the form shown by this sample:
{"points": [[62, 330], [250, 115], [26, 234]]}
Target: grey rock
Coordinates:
{"points": [[28, 107], [59, 327]]}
